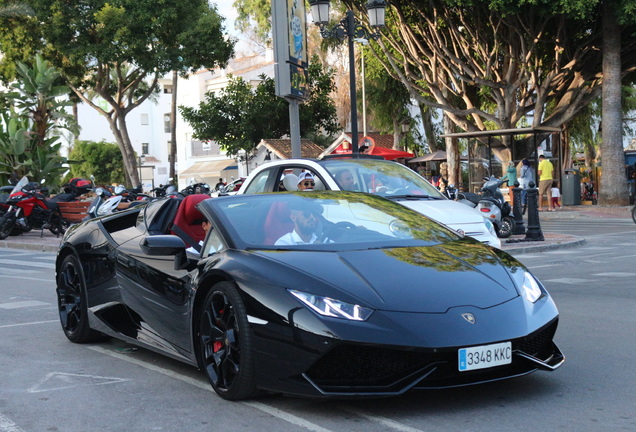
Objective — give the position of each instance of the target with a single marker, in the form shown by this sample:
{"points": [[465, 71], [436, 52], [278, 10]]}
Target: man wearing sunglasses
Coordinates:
{"points": [[307, 224], [306, 181]]}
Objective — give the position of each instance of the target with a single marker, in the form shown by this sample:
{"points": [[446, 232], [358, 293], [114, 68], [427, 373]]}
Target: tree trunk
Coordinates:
{"points": [[613, 187], [452, 154], [119, 129], [429, 130], [172, 157]]}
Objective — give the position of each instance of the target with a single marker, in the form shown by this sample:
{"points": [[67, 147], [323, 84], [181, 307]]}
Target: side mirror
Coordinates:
{"points": [[162, 245], [167, 245]]}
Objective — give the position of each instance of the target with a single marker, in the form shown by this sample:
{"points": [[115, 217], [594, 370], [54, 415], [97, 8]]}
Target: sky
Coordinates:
{"points": [[227, 11]]}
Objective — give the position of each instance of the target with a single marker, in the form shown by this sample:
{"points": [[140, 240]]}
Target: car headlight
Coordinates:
{"points": [[531, 289], [326, 306]]}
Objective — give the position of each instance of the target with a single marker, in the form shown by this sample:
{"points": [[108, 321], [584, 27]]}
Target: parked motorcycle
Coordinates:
{"points": [[492, 205], [196, 186], [167, 190], [28, 208]]}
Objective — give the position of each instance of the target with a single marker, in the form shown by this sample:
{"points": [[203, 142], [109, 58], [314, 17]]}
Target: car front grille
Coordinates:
{"points": [[351, 368]]}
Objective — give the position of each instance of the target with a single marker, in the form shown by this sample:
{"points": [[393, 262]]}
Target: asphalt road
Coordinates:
{"points": [[49, 384]]}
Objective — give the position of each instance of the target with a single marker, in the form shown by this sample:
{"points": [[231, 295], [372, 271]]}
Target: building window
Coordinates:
{"points": [[167, 89], [144, 148], [144, 119], [166, 123]]}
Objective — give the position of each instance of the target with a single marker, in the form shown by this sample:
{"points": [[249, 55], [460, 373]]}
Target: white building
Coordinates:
{"points": [[149, 125]]}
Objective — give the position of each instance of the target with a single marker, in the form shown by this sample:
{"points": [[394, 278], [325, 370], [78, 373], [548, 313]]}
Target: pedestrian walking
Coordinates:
{"points": [[546, 177]]}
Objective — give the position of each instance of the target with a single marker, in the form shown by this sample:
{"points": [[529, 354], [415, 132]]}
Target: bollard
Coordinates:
{"points": [[534, 227], [520, 228]]}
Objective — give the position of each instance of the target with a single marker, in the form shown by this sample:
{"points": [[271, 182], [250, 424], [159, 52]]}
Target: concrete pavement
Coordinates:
{"points": [[47, 242]]}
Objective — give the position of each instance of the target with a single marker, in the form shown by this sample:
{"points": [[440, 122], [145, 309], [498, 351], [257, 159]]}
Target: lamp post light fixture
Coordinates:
{"points": [[351, 29]]}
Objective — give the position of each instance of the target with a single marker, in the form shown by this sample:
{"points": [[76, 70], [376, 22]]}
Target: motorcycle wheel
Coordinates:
{"points": [[6, 226], [507, 227]]}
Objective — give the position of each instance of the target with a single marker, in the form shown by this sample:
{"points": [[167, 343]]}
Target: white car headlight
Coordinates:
{"points": [[531, 289], [326, 306]]}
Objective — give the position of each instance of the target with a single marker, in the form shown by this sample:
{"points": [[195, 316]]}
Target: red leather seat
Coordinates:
{"points": [[277, 223], [188, 219]]}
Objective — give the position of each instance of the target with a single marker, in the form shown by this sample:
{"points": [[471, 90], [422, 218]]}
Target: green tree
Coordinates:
{"points": [[34, 120], [136, 41], [99, 159], [240, 115]]}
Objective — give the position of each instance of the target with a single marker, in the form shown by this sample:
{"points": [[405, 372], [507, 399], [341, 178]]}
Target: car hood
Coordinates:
{"points": [[407, 279], [445, 211]]}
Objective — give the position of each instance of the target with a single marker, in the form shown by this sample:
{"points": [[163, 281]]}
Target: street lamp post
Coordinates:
{"points": [[349, 27]]}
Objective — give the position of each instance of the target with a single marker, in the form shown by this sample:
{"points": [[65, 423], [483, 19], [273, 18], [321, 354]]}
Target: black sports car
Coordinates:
{"points": [[326, 294]]}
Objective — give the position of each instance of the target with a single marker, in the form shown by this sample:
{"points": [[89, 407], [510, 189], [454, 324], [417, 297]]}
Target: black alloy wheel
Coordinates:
{"points": [[507, 227], [226, 350], [71, 300], [7, 221]]}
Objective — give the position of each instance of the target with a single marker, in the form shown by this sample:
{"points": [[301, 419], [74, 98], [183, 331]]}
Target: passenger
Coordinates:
{"points": [[345, 180], [306, 181], [205, 224]]}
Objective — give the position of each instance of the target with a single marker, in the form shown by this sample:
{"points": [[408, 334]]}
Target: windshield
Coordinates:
{"points": [[22, 183], [388, 179], [324, 220]]}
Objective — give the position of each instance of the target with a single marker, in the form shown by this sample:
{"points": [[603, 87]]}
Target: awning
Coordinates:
{"points": [[207, 168], [439, 155]]}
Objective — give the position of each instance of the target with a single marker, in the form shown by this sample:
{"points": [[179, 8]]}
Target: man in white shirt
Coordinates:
{"points": [[306, 226]]}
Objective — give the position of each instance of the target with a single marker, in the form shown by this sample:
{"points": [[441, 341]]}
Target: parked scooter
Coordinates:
{"points": [[30, 209], [492, 205], [108, 201]]}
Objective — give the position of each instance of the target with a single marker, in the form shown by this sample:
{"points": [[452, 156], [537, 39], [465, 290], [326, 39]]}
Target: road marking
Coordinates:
{"points": [[61, 380], [290, 418], [615, 274], [28, 263], [6, 276], [23, 304], [542, 266], [572, 281], [385, 421], [29, 323], [6, 425], [275, 412]]}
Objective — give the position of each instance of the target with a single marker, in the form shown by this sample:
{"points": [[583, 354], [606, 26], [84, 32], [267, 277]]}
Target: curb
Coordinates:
{"points": [[577, 241], [29, 246]]}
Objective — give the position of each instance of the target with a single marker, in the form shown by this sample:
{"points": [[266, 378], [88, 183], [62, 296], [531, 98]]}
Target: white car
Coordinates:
{"points": [[378, 176]]}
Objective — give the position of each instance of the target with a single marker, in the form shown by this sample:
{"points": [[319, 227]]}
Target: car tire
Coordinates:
{"points": [[225, 343], [507, 227], [72, 304], [634, 214]]}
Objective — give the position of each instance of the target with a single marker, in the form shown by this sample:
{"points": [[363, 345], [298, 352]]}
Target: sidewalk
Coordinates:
{"points": [[48, 242]]}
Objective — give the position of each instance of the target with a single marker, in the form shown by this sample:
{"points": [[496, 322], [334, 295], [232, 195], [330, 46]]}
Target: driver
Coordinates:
{"points": [[306, 217], [345, 180]]}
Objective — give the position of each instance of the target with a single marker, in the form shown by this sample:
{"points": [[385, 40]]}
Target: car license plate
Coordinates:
{"points": [[485, 356]]}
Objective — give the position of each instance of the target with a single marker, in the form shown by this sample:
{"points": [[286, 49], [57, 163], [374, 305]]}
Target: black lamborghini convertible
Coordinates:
{"points": [[325, 294]]}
